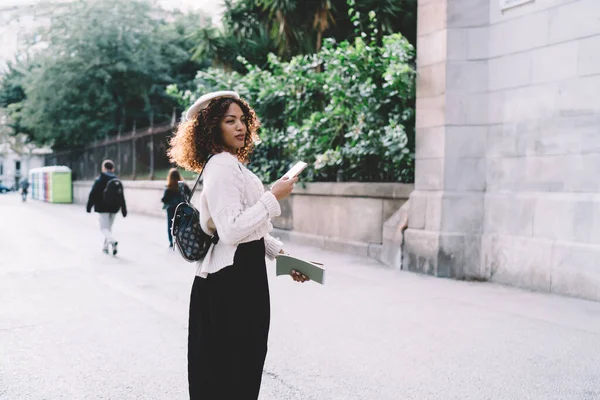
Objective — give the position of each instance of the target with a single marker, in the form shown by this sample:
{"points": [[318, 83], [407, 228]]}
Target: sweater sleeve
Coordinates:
{"points": [[224, 194], [94, 193], [272, 247]]}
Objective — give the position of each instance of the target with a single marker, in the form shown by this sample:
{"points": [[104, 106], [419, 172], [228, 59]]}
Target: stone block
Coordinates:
{"points": [[509, 214], [466, 108], [496, 107], [467, 13], [286, 219], [390, 207], [439, 3], [471, 265], [519, 34], [466, 76], [377, 190], [432, 48], [574, 20], [564, 217], [576, 271], [504, 173], [531, 102], [501, 141], [478, 42], [393, 237], [584, 128], [465, 174], [430, 142], [582, 173], [595, 237], [450, 256], [430, 111], [417, 209], [554, 63], [431, 17], [517, 261], [431, 80], [457, 43], [510, 71], [589, 56], [462, 212], [459, 256], [577, 134], [466, 141], [429, 174], [420, 251], [544, 173], [523, 11], [579, 96], [375, 251], [352, 219], [433, 213]]}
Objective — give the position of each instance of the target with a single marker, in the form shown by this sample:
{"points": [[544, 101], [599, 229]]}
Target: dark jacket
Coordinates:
{"points": [[96, 196], [172, 198]]}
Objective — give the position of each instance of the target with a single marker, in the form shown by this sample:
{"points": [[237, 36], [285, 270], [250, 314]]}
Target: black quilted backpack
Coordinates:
{"points": [[193, 243]]}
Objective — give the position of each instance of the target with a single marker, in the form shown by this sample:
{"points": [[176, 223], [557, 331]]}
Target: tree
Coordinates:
{"points": [[100, 66], [254, 28]]}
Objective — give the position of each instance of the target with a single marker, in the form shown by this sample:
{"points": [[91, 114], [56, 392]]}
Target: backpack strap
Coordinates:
{"points": [[199, 177]]}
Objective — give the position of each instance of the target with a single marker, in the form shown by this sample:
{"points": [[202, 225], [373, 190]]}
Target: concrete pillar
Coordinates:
{"points": [[446, 208]]}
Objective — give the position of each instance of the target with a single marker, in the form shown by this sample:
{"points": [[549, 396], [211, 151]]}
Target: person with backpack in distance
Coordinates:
{"points": [[107, 198], [174, 194], [24, 189], [229, 305]]}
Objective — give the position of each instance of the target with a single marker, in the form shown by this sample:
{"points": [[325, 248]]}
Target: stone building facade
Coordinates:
{"points": [[507, 184]]}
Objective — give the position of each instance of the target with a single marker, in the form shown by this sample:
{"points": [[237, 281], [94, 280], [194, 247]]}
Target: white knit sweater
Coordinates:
{"points": [[234, 202]]}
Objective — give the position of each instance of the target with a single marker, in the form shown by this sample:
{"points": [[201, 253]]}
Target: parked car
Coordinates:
{"points": [[4, 189]]}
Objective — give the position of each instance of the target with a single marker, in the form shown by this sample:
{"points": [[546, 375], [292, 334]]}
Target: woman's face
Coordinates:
{"points": [[233, 128]]}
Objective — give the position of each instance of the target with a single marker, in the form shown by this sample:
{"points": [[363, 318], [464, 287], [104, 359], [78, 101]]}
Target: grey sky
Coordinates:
{"points": [[213, 7], [10, 29]]}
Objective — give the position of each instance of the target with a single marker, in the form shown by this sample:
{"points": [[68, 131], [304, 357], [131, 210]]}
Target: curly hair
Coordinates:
{"points": [[196, 139]]}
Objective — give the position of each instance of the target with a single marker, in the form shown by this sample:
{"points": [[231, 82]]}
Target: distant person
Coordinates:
{"points": [[229, 305], [24, 189], [107, 199], [173, 195]]}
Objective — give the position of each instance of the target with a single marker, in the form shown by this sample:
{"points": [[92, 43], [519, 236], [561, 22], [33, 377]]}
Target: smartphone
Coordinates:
{"points": [[296, 169]]}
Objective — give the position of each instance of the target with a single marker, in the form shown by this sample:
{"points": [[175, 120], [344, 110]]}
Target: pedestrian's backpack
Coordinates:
{"points": [[113, 193], [191, 241]]}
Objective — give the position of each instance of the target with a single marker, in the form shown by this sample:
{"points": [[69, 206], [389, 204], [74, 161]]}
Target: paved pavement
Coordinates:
{"points": [[78, 324]]}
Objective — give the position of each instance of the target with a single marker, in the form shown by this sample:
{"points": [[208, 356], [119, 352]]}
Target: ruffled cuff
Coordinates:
{"points": [[271, 203]]}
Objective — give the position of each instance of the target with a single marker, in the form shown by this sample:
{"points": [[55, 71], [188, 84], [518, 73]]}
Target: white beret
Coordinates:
{"points": [[204, 100]]}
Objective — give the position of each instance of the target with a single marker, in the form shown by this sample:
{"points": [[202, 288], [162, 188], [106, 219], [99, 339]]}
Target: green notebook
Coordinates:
{"points": [[314, 271]]}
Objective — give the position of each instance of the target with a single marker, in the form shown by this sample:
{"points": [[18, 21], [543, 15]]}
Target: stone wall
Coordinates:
{"points": [[508, 144], [348, 217], [542, 209]]}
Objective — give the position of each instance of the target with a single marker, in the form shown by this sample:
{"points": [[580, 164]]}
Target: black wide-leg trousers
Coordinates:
{"points": [[229, 327]]}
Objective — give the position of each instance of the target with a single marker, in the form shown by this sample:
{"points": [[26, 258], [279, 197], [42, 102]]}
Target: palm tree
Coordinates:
{"points": [[254, 28], [292, 22]]}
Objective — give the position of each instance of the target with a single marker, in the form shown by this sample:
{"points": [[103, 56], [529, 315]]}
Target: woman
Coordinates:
{"points": [[172, 197], [229, 305]]}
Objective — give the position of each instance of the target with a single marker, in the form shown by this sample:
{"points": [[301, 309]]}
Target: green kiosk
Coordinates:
{"points": [[51, 184]]}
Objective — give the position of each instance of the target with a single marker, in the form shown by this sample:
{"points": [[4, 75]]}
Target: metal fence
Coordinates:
{"points": [[141, 154]]}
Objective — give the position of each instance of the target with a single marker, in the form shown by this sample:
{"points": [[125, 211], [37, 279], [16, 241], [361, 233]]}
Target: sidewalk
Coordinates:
{"points": [[77, 324]]}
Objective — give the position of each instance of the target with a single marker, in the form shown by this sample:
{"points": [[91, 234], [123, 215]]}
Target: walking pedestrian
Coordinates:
{"points": [[107, 198], [229, 304], [24, 189], [175, 193]]}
